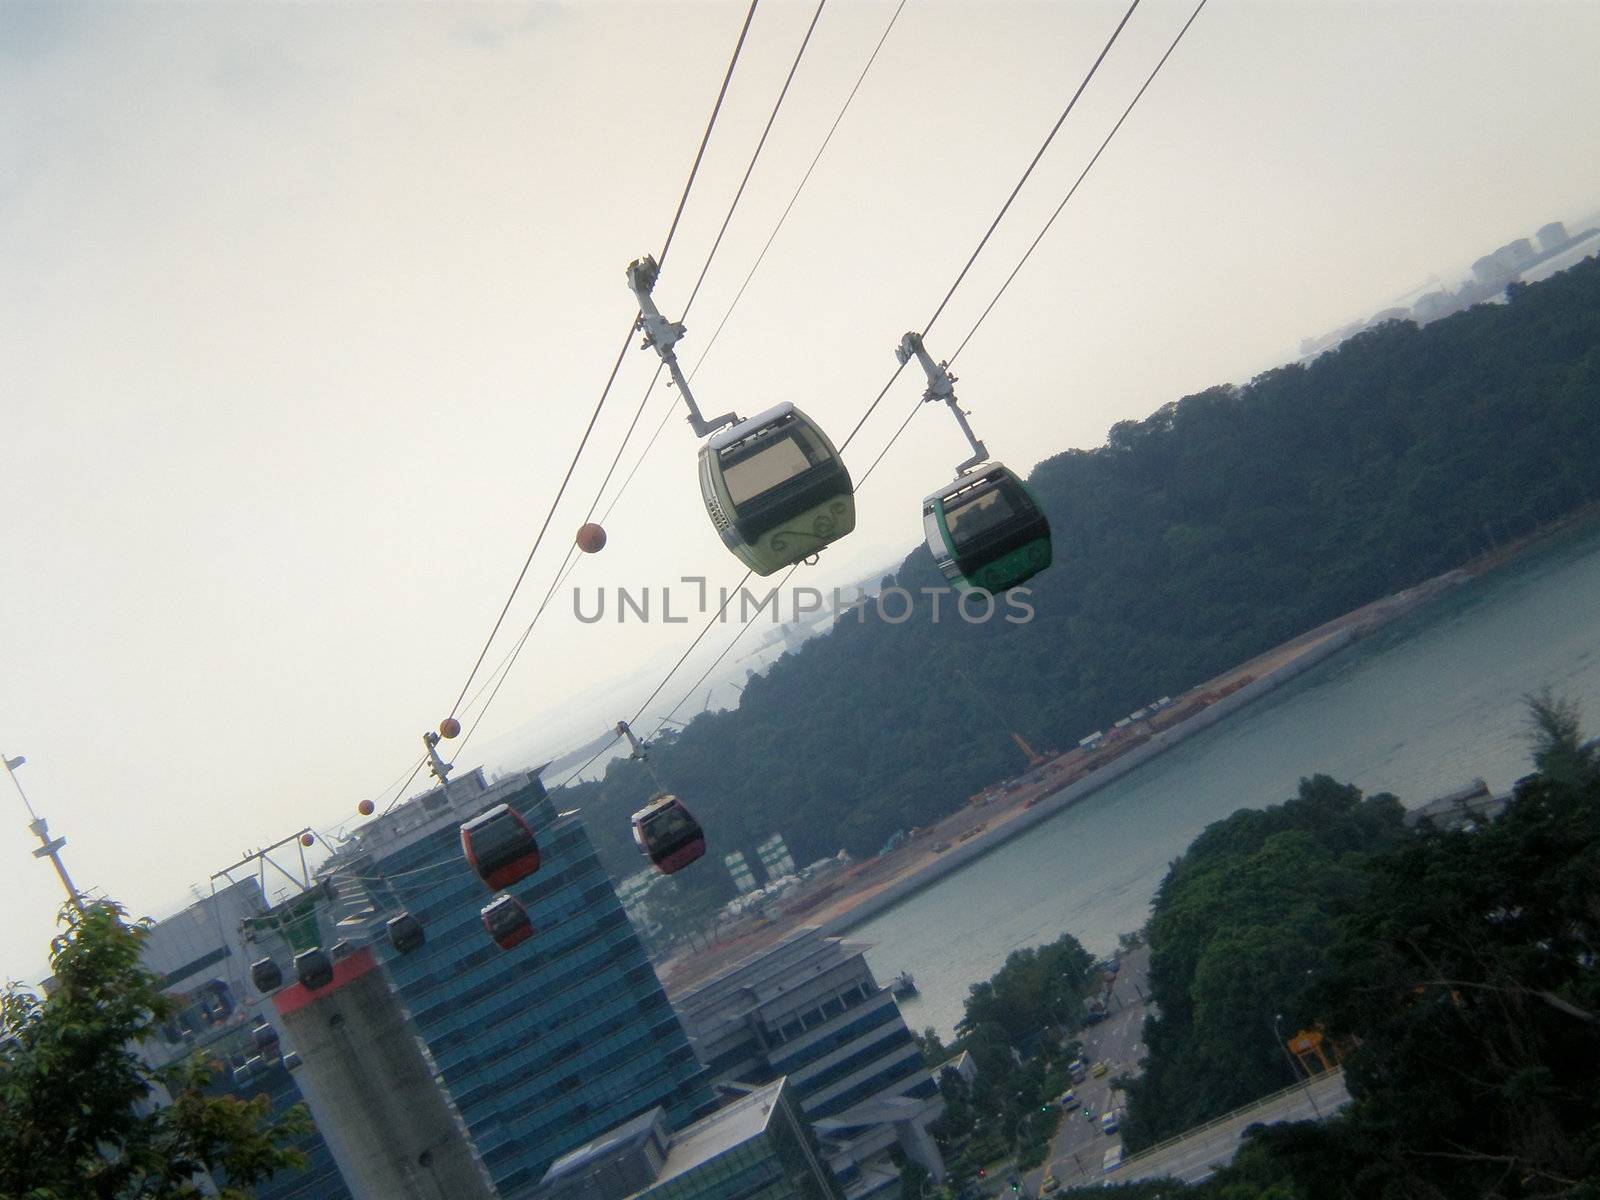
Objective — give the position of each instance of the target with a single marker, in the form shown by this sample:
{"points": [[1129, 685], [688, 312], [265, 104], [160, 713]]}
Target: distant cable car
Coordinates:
{"points": [[265, 1038], [668, 834], [313, 968], [406, 933], [500, 846], [266, 975], [665, 829], [985, 530], [507, 921], [775, 487]]}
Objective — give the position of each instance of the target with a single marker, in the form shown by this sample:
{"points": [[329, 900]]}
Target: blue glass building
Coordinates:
{"points": [[544, 1046]]}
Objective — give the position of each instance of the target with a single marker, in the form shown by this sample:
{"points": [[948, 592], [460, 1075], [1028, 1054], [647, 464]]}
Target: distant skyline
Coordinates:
{"points": [[303, 309]]}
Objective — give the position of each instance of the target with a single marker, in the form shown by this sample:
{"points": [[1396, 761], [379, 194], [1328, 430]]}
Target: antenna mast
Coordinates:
{"points": [[49, 847]]}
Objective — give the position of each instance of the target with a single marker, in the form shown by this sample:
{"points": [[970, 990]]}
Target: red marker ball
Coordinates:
{"points": [[591, 538], [307, 840], [365, 808], [449, 728]]}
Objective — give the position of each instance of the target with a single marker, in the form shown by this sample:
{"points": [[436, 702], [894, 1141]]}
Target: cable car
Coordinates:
{"points": [[405, 933], [265, 1038], [776, 489], [986, 530], [668, 833], [500, 846], [507, 921], [266, 975], [313, 968]]}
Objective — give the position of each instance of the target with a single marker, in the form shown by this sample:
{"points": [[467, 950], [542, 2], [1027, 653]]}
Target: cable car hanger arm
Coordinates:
{"points": [[662, 335], [640, 752], [941, 386]]}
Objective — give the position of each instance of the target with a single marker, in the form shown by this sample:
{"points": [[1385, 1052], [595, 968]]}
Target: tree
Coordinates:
{"points": [[1555, 736], [81, 1113]]}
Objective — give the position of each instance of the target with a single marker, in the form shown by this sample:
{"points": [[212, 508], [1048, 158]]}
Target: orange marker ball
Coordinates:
{"points": [[449, 728], [365, 808], [591, 538]]}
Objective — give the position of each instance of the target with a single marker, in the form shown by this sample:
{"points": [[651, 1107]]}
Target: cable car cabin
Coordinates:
{"points": [[668, 834], [405, 933], [776, 489], [507, 921], [313, 968], [266, 975], [986, 530], [500, 846]]}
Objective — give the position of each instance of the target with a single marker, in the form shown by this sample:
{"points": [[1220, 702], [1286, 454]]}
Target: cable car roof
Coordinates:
{"points": [[968, 479], [724, 438]]}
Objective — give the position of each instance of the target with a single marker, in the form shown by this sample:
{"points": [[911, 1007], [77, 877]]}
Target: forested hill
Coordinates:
{"points": [[1217, 527]]}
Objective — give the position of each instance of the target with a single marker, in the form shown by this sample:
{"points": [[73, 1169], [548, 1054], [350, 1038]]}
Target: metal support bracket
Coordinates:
{"points": [[641, 752], [440, 768], [941, 386], [662, 335]]}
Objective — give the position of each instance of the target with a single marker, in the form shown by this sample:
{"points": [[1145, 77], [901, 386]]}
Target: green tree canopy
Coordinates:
{"points": [[84, 1117]]}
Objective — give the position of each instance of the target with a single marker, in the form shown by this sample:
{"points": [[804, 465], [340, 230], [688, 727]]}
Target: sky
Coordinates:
{"points": [[304, 307]]}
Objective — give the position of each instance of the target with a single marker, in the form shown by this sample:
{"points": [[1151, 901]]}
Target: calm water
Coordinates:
{"points": [[1418, 709]]}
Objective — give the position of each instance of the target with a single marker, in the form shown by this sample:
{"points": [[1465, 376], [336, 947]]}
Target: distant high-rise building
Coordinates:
{"points": [[809, 1008], [744, 879], [542, 1046], [201, 957], [775, 858]]}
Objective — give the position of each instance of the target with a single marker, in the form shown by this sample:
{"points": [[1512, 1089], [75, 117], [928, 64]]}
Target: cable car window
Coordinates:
{"points": [[777, 462], [494, 838], [972, 516], [670, 824]]}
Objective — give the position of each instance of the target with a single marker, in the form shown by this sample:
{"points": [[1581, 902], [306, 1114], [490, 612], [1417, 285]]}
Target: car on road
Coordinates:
{"points": [[1109, 1123], [1112, 1160], [1078, 1069], [1068, 1099], [1049, 1184], [1098, 1070]]}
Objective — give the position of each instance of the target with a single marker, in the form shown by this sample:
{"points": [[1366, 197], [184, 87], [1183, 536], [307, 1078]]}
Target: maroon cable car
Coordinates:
{"points": [[507, 921], [668, 833], [500, 846]]}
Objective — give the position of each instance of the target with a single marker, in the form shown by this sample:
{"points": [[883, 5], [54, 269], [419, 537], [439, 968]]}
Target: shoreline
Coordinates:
{"points": [[855, 895]]}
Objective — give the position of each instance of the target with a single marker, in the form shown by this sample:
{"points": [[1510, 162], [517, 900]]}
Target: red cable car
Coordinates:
{"points": [[500, 846], [668, 833], [507, 921]]}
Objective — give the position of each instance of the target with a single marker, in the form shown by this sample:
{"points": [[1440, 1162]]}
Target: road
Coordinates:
{"points": [[1079, 1146], [1201, 1153]]}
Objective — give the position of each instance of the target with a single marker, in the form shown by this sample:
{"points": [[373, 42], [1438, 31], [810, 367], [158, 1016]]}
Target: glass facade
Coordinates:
{"points": [[544, 1046]]}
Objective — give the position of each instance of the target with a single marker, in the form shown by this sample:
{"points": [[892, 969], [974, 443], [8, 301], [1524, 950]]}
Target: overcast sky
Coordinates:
{"points": [[303, 308]]}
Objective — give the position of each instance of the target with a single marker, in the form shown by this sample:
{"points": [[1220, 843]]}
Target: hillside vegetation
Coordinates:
{"points": [[1219, 526]]}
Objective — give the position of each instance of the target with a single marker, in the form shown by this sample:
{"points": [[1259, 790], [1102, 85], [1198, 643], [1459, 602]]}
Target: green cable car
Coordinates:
{"points": [[986, 530], [776, 489]]}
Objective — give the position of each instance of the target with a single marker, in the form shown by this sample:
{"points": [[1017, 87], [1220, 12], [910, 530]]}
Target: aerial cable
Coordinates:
{"points": [[716, 662], [1072, 191], [677, 215], [761, 257], [1082, 175], [1004, 208], [700, 280]]}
